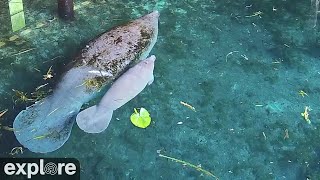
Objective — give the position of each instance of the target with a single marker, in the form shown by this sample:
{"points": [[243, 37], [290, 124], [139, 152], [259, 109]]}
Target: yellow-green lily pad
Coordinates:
{"points": [[141, 119]]}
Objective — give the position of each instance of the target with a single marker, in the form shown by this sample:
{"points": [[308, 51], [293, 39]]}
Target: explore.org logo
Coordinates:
{"points": [[40, 168]]}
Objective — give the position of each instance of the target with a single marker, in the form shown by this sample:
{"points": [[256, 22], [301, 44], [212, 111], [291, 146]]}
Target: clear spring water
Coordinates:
{"points": [[241, 65]]}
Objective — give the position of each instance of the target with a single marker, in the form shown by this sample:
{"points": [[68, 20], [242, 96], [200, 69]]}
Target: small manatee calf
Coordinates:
{"points": [[46, 125], [96, 119]]}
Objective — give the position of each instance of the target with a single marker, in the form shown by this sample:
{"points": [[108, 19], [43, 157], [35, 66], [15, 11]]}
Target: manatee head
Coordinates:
{"points": [[149, 26], [148, 63]]}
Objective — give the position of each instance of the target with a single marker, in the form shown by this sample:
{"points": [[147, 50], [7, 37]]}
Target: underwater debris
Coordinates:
{"points": [[305, 114], [20, 42], [188, 106], [49, 74], [286, 134], [21, 97], [3, 112], [5, 127], [39, 95], [198, 167], [274, 9], [26, 31], [230, 53], [302, 93], [41, 86], [16, 150], [52, 59], [23, 51], [13, 38], [264, 136], [2, 44], [258, 13], [38, 70], [40, 25]]}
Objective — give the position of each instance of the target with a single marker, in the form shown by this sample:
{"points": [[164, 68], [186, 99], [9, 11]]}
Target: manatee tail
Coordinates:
{"points": [[94, 120], [46, 125]]}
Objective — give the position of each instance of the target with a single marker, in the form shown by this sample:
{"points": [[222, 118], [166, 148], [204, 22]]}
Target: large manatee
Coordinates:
{"points": [[46, 125]]}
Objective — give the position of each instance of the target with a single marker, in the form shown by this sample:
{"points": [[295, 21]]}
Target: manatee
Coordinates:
{"points": [[97, 118], [46, 125]]}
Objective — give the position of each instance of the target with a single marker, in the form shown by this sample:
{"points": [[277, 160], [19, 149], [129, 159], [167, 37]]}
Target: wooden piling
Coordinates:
{"points": [[65, 9]]}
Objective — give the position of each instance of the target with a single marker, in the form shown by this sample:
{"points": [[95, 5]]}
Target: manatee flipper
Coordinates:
{"points": [[91, 120], [46, 125], [42, 131]]}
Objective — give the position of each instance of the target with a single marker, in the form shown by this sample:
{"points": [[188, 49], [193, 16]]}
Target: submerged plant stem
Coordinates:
{"points": [[190, 165], [23, 51]]}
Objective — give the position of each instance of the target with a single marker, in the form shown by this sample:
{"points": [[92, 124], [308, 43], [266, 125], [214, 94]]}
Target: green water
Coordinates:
{"points": [[241, 70]]}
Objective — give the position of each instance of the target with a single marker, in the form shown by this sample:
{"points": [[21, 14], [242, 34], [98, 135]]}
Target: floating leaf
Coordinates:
{"points": [[140, 119]]}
